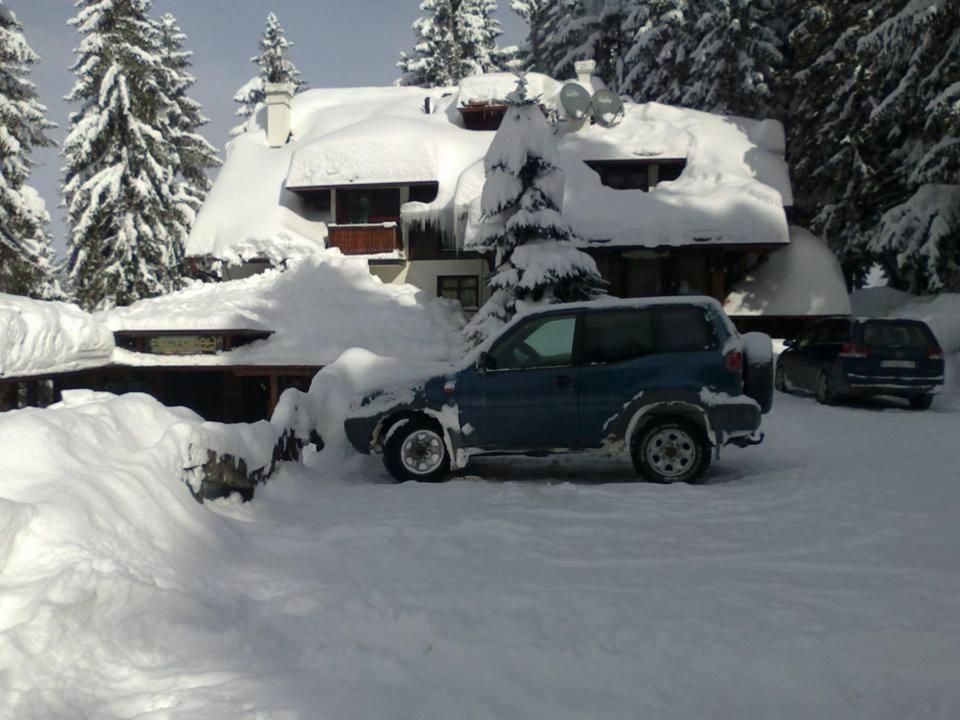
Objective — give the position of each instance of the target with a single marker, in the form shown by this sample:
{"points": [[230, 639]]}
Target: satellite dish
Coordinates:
{"points": [[575, 100], [607, 108]]}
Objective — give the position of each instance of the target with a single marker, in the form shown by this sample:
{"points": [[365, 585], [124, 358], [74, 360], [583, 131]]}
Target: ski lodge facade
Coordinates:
{"points": [[667, 200]]}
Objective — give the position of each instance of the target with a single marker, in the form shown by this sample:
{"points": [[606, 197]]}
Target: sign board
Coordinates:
{"points": [[186, 344]]}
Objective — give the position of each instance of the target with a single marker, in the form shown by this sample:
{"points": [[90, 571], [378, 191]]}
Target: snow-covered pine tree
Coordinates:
{"points": [[568, 25], [455, 39], [27, 265], [537, 15], [663, 39], [915, 128], [535, 252], [828, 151], [120, 187], [274, 67], [195, 155], [735, 67]]}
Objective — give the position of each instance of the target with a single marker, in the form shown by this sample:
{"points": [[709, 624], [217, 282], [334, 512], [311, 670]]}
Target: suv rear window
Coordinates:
{"points": [[617, 336], [892, 334], [685, 329]]}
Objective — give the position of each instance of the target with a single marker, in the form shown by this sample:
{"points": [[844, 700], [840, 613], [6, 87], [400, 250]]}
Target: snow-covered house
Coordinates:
{"points": [[668, 200]]}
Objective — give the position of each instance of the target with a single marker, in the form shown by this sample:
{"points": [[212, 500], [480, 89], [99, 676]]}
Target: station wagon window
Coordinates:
{"points": [[543, 342], [685, 329], [888, 334], [611, 337]]}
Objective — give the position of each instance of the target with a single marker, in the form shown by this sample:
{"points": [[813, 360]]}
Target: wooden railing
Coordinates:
{"points": [[364, 239]]}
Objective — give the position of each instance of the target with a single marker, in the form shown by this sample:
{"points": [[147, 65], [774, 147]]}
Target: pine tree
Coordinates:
{"points": [[27, 265], [455, 39], [194, 155], [274, 67], [735, 67], [535, 253], [915, 52], [536, 14], [120, 189], [568, 27], [658, 60]]}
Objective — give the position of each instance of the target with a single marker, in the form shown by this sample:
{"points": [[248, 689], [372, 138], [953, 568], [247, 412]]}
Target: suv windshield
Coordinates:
{"points": [[890, 334]]}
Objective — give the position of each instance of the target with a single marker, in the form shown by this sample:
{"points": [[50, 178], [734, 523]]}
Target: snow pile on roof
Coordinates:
{"points": [[803, 278], [39, 337], [940, 312], [493, 89], [732, 191], [319, 307]]}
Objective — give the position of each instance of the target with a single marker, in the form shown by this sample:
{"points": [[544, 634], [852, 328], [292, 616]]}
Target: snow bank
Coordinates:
{"points": [[39, 337], [493, 88], [940, 312], [803, 278], [321, 306]]}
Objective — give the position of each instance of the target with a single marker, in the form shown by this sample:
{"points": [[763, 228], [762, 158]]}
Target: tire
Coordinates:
{"points": [[780, 380], [825, 394], [687, 443], [758, 371], [921, 402], [417, 451]]}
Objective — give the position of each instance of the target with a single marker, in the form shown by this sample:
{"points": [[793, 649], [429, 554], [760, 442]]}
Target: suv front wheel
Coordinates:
{"points": [[417, 451], [669, 451]]}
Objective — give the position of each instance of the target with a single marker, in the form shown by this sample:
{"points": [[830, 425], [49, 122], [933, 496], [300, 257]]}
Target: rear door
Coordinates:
{"points": [[528, 400], [899, 353]]}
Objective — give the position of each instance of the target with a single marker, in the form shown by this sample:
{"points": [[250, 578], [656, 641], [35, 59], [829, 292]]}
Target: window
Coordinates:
{"points": [[685, 329], [542, 342], [425, 193], [465, 288], [637, 174], [612, 337], [317, 201], [363, 206], [890, 334]]}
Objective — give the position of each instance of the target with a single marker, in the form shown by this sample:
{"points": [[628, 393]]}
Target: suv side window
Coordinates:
{"points": [[616, 336], [685, 329], [538, 343]]}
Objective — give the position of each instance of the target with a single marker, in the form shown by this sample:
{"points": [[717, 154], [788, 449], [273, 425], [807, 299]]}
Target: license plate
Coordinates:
{"points": [[909, 364]]}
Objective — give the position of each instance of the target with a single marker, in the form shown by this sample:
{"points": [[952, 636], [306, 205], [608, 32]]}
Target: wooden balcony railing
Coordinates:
{"points": [[364, 239]]}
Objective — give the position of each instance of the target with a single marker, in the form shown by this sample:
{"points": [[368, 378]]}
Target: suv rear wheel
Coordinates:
{"points": [[417, 451], [669, 451]]}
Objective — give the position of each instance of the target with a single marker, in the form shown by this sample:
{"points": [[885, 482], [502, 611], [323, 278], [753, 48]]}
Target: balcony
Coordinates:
{"points": [[371, 239]]}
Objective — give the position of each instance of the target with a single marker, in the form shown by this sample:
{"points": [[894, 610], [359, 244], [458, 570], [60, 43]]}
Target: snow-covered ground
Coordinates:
{"points": [[815, 576]]}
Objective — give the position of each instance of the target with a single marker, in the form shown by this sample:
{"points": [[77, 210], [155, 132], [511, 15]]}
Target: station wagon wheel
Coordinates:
{"points": [[669, 451], [779, 379], [417, 451], [825, 394]]}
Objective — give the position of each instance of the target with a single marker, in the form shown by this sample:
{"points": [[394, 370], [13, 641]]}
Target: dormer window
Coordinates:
{"points": [[485, 116], [636, 174]]}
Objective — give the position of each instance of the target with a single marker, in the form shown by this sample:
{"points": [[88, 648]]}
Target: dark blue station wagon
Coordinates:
{"points": [[844, 357], [663, 379]]}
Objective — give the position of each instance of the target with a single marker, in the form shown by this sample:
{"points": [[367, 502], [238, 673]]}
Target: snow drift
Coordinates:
{"points": [[940, 312]]}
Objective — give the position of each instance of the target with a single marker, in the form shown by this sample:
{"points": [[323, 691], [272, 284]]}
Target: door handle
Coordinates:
{"points": [[562, 380]]}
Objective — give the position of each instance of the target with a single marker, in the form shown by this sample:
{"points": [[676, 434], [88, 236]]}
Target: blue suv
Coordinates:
{"points": [[668, 380]]}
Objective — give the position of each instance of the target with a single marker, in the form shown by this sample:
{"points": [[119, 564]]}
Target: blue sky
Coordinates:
{"points": [[338, 43]]}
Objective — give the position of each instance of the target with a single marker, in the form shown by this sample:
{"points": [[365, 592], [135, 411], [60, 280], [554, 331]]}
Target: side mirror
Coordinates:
{"points": [[486, 362], [790, 343]]}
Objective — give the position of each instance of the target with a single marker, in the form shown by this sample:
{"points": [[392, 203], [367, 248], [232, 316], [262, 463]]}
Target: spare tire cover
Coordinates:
{"points": [[758, 369]]}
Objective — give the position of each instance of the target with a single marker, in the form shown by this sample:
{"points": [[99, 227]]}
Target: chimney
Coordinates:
{"points": [[279, 100], [585, 70]]}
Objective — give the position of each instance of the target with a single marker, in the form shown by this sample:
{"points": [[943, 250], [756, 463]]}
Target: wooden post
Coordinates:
{"points": [[274, 394]]}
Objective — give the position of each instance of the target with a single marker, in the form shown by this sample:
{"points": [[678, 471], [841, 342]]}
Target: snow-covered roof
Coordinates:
{"points": [[733, 190], [801, 279], [39, 337], [312, 310]]}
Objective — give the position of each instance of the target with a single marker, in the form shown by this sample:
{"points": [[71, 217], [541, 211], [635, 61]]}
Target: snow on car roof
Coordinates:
{"points": [[732, 191]]}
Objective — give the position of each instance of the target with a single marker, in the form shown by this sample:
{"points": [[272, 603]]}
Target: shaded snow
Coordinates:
{"points": [[940, 312], [803, 278], [39, 337]]}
